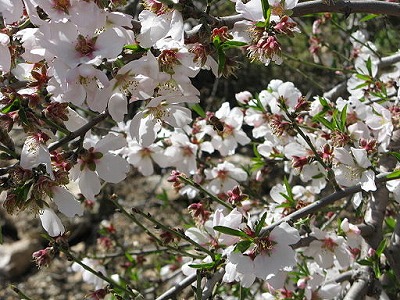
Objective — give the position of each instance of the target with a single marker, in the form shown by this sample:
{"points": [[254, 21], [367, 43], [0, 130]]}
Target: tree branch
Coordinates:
{"points": [[81, 131], [359, 288], [172, 292], [348, 7], [207, 291], [317, 205], [340, 6], [393, 250]]}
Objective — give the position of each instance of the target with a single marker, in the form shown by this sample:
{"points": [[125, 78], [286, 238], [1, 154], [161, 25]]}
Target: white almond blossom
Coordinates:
{"points": [[326, 248], [228, 139], [99, 162], [267, 259], [352, 168], [224, 177]]}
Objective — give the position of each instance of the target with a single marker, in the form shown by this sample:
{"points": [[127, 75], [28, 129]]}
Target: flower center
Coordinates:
{"points": [[85, 46], [61, 5]]}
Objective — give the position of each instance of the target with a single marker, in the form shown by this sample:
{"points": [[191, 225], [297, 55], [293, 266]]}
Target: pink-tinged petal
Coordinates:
{"points": [[357, 199], [247, 280], [361, 157], [153, 28], [118, 107], [176, 26], [196, 235], [343, 156], [241, 137], [329, 290], [252, 10], [230, 273], [33, 154], [11, 10], [114, 37], [244, 264], [66, 202], [51, 222], [143, 129], [112, 168], [110, 142], [89, 184], [223, 112], [179, 116], [368, 181], [146, 166], [343, 257], [5, 56], [285, 234]]}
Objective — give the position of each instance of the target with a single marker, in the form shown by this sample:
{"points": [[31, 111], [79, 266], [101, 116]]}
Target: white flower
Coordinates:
{"points": [[353, 233], [35, 152], [351, 169], [224, 177], [67, 43], [268, 258], [277, 92], [208, 236], [98, 162], [227, 140], [143, 158], [146, 124], [326, 248], [156, 27], [182, 153]]}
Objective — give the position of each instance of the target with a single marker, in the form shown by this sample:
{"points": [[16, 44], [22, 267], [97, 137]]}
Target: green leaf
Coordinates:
{"points": [[381, 247], [343, 117], [266, 10], [395, 154], [260, 223], [288, 188], [207, 266], [129, 257], [390, 223], [320, 119], [369, 66], [221, 60], [242, 246], [217, 41], [135, 48], [368, 17], [232, 44], [395, 174], [13, 106], [198, 109], [230, 231], [365, 262], [323, 102], [363, 77], [261, 24]]}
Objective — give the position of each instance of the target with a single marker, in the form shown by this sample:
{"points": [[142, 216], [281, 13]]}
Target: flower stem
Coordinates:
{"points": [[153, 236], [174, 232], [202, 189]]}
